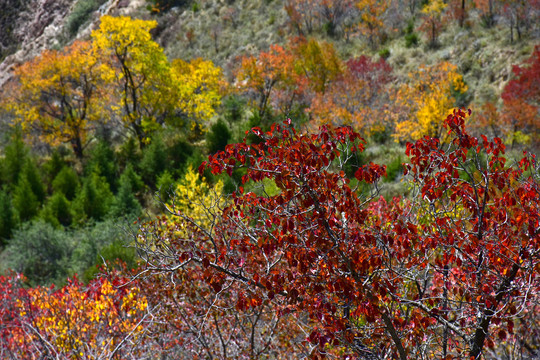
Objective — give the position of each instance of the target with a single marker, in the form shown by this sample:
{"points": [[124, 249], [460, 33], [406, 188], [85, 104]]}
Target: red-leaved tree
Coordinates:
{"points": [[450, 273]]}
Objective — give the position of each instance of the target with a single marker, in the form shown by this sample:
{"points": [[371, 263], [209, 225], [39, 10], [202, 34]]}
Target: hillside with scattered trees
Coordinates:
{"points": [[269, 179]]}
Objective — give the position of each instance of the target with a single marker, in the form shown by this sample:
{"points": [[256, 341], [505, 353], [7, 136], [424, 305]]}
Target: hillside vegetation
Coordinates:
{"points": [[304, 171]]}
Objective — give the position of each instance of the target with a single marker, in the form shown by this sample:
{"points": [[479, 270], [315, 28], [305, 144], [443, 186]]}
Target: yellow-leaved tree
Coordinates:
{"points": [[195, 199], [425, 101], [144, 82], [61, 95], [200, 84], [151, 90]]}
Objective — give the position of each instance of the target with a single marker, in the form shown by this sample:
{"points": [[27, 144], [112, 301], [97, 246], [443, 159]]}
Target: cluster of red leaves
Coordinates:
{"points": [[458, 262]]}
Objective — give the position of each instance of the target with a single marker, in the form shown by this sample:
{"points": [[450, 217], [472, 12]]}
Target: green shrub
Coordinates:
{"points": [[93, 199], [154, 160], [57, 210], [25, 202], [7, 217], [165, 187], [31, 172], [384, 53], [218, 137], [233, 108], [411, 40], [129, 153], [114, 255], [125, 203], [103, 158], [15, 156], [66, 182], [92, 239], [178, 153], [40, 252], [394, 169], [55, 164], [81, 13]]}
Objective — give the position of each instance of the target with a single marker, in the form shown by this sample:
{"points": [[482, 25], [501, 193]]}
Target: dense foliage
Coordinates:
{"points": [[380, 221]]}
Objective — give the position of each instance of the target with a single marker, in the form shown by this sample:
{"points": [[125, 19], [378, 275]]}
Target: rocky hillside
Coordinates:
{"points": [[222, 30]]}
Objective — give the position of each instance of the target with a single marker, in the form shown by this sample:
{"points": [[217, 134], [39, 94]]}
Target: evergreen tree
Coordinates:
{"points": [[93, 199], [125, 203], [129, 153], [31, 172], [57, 210], [154, 160], [102, 157], [66, 182], [15, 157], [218, 137], [25, 201], [7, 217]]}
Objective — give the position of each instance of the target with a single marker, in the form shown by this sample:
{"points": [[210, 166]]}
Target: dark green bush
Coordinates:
{"points": [[15, 156], [384, 53], [394, 169], [178, 153], [7, 217], [103, 158], [217, 137], [125, 203], [57, 210], [25, 202], [165, 187], [411, 40], [40, 252], [81, 14], [31, 172], [154, 161], [66, 182], [93, 199]]}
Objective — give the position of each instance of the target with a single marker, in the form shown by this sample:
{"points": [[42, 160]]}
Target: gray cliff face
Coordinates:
{"points": [[30, 27], [27, 27]]}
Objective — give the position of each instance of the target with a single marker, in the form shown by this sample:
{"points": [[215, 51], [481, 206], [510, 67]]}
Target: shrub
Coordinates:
{"points": [[154, 160], [125, 203], [93, 199], [411, 40], [57, 210], [25, 201], [384, 53], [15, 155], [102, 157], [7, 217], [66, 182], [218, 137], [40, 252], [81, 13]]}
